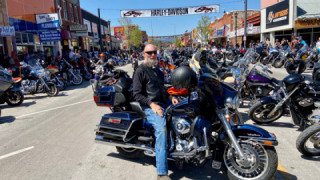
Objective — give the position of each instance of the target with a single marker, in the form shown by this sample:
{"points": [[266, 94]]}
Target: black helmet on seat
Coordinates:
{"points": [[184, 77]]}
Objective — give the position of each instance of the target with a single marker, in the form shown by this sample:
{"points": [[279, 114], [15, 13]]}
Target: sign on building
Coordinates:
{"points": [[6, 31], [47, 21], [48, 36], [170, 11], [277, 15]]}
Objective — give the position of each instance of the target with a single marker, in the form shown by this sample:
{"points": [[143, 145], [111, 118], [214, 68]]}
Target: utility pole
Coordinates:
{"points": [[99, 30], [236, 16], [245, 24]]}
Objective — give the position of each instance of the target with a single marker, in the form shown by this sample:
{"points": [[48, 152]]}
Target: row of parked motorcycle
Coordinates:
{"points": [[205, 126]]}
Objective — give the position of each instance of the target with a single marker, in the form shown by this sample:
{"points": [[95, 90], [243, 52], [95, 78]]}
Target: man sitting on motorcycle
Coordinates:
{"points": [[149, 91]]}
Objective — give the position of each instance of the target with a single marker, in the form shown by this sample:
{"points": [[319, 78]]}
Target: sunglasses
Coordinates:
{"points": [[151, 52]]}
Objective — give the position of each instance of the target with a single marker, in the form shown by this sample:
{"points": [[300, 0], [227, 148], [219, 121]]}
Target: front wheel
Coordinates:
{"points": [[87, 76], [259, 112], [54, 91], [261, 163], [308, 142], [77, 80], [14, 98], [130, 153], [278, 63]]}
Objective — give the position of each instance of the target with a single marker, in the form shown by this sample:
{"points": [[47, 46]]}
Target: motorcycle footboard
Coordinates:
{"points": [[119, 126]]}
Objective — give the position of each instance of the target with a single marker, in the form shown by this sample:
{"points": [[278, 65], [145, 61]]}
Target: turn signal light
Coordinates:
{"points": [[268, 143], [95, 98]]}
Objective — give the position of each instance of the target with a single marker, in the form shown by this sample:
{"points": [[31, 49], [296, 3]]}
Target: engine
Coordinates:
{"points": [[181, 127], [29, 86]]}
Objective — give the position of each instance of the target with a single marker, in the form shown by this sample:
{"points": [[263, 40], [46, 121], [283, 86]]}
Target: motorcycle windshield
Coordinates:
{"points": [[246, 59], [304, 49], [215, 89]]}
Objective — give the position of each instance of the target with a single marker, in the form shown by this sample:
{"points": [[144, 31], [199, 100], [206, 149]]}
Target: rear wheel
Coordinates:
{"points": [[261, 163], [259, 112], [130, 153], [308, 142], [14, 98]]}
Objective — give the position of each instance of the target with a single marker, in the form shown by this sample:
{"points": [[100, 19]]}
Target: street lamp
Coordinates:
{"points": [[236, 16]]}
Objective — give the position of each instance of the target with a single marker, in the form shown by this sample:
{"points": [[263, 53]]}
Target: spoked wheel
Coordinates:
{"points": [[261, 163], [278, 63], [14, 98], [77, 80], [130, 153], [53, 90], [88, 76], [308, 142], [259, 112]]}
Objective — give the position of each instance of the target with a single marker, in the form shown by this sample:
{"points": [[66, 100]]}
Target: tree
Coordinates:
{"points": [[177, 42], [135, 37], [204, 29], [126, 23]]}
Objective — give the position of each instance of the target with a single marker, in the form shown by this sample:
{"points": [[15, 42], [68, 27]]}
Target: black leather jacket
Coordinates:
{"points": [[148, 86]]}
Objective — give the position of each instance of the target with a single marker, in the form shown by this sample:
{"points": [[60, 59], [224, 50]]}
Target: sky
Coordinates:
{"points": [[162, 26]]}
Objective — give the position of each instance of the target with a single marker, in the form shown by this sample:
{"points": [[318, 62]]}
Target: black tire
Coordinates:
{"points": [[130, 153], [266, 108], [15, 98], [77, 80], [263, 164], [264, 62], [53, 90], [63, 84], [278, 63], [254, 60], [305, 136]]}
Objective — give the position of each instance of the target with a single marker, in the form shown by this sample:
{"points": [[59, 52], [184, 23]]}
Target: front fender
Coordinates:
{"points": [[256, 134], [268, 99]]}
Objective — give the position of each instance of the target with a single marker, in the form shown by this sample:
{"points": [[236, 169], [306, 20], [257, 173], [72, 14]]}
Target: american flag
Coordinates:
{"points": [[225, 30]]}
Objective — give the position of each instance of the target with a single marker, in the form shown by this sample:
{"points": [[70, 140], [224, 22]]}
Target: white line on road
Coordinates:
{"points": [[16, 152], [53, 109]]}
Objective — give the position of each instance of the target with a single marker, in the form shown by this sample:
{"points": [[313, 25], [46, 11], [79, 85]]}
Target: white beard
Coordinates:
{"points": [[151, 62]]}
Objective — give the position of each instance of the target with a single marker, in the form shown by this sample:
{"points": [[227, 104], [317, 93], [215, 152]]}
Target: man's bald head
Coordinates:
{"points": [[150, 47]]}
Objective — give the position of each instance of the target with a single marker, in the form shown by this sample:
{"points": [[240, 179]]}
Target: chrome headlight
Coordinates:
{"points": [[229, 102], [236, 102]]}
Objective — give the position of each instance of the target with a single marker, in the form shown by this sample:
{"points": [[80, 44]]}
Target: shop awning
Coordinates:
{"points": [[254, 19], [308, 9], [65, 34]]}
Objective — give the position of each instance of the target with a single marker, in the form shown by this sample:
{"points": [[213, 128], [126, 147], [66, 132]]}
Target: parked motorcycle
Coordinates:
{"points": [[36, 80], [10, 92], [301, 61], [68, 72], [308, 142], [195, 134], [283, 57], [296, 93], [56, 77]]}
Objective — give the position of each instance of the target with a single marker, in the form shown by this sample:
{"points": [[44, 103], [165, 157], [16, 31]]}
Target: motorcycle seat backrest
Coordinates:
{"points": [[135, 106]]}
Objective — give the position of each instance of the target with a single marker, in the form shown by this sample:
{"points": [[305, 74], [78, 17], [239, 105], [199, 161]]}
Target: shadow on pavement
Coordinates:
{"points": [[7, 119], [278, 124], [24, 104], [286, 176], [189, 170], [311, 158], [85, 84]]}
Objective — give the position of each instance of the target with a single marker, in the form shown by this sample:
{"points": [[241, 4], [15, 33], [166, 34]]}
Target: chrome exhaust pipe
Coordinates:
{"points": [[109, 142]]}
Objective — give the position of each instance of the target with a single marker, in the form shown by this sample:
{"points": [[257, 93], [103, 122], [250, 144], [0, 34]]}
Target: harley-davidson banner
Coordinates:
{"points": [[277, 15], [170, 11]]}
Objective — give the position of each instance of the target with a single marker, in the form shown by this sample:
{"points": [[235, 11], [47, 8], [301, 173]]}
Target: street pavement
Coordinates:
{"points": [[53, 138]]}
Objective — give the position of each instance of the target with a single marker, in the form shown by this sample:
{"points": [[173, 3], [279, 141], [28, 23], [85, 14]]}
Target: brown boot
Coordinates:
{"points": [[165, 177]]}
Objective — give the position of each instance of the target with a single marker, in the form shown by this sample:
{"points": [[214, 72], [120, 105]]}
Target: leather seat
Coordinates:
{"points": [[135, 106]]}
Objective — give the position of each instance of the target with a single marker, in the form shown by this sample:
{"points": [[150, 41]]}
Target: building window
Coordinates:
{"points": [[77, 15], [58, 3], [71, 12], [65, 11]]}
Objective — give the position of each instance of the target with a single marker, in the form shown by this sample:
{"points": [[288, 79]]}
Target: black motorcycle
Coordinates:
{"points": [[308, 142], [200, 129], [297, 94], [10, 92]]}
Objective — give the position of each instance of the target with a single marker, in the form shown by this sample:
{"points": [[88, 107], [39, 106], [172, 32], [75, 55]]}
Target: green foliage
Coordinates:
{"points": [[135, 37], [126, 23], [203, 28], [177, 42]]}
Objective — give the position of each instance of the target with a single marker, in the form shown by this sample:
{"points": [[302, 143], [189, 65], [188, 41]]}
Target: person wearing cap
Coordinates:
{"points": [[102, 59]]}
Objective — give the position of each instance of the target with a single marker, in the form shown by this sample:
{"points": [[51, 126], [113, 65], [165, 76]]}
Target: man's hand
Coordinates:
{"points": [[156, 109], [174, 100]]}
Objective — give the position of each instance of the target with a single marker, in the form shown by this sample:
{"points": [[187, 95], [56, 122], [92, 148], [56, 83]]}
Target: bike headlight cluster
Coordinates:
{"points": [[232, 103]]}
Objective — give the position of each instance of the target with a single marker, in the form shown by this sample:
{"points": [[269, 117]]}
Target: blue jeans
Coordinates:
{"points": [[159, 125]]}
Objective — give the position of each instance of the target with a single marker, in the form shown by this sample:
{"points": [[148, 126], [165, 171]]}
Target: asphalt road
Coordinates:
{"points": [[53, 138]]}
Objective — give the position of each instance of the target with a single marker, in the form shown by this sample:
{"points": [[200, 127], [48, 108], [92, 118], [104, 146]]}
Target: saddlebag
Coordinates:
{"points": [[119, 126]]}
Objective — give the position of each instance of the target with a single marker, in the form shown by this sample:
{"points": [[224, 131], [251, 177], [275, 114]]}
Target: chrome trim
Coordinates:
{"points": [[101, 140], [171, 141], [109, 133], [206, 144], [112, 128], [44, 82], [232, 137], [125, 136]]}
